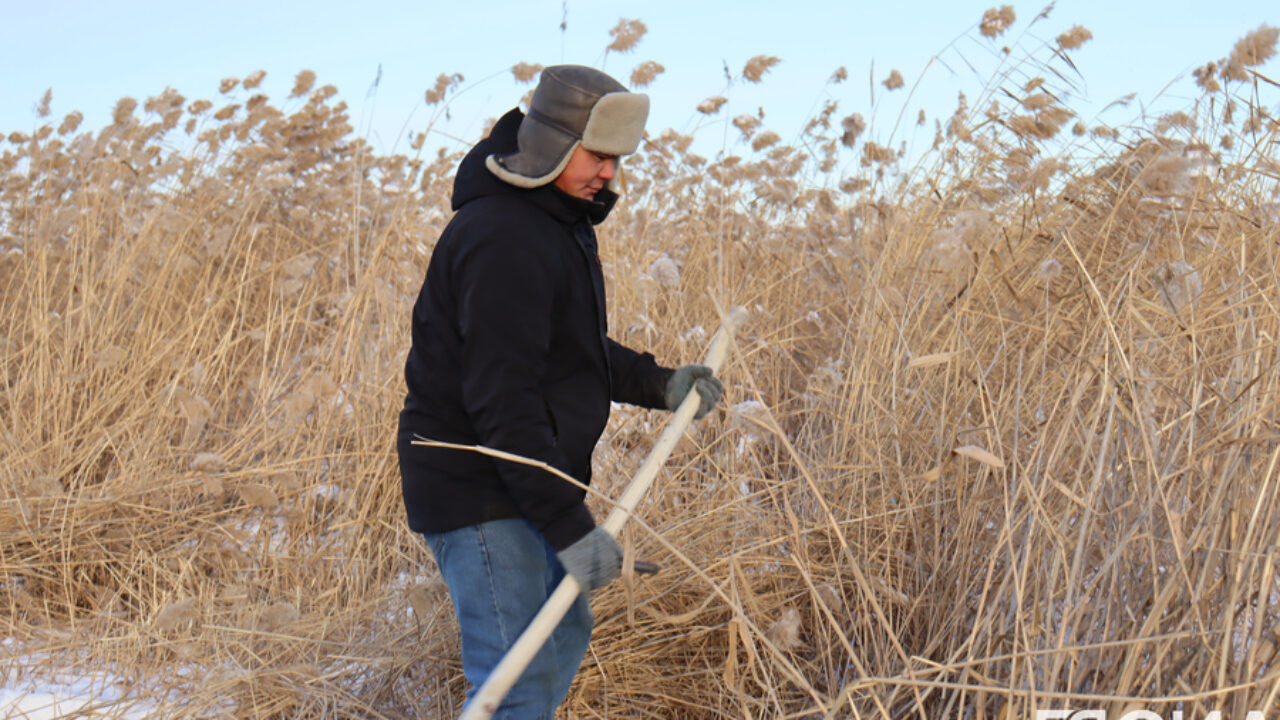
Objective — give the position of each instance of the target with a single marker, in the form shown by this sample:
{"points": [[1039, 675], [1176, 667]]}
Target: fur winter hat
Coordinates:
{"points": [[572, 105]]}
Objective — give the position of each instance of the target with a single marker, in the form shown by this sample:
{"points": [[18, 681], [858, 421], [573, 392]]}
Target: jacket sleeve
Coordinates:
{"points": [[505, 291], [637, 377]]}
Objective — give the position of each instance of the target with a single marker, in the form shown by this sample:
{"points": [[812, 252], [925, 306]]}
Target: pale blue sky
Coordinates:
{"points": [[91, 53]]}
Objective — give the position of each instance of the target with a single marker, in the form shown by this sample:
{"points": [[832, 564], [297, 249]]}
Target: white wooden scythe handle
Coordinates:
{"points": [[513, 664]]}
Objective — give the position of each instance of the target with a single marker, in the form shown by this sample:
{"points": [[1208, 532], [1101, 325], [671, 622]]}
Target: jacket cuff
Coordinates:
{"points": [[569, 528], [658, 388]]}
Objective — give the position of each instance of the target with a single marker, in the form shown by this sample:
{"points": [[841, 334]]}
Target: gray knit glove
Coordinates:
{"points": [[594, 560], [693, 377]]}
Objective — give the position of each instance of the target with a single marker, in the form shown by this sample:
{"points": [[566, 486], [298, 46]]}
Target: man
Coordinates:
{"points": [[510, 351]]}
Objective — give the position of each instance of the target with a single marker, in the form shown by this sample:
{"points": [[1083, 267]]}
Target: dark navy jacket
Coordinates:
{"points": [[510, 351]]}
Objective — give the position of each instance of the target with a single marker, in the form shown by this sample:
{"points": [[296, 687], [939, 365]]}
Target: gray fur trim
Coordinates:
{"points": [[521, 181], [616, 123]]}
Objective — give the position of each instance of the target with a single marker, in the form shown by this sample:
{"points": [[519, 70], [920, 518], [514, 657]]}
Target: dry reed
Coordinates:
{"points": [[1000, 436]]}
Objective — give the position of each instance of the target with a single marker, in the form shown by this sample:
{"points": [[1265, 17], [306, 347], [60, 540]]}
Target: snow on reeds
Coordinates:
{"points": [[1001, 433]]}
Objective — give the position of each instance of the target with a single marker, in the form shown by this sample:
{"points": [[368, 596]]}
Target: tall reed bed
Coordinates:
{"points": [[1001, 432]]}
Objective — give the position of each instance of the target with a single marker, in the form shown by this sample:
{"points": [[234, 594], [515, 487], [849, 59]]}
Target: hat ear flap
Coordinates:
{"points": [[616, 123], [495, 166]]}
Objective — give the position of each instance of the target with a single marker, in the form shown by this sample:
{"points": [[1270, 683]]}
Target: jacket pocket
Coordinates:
{"points": [[551, 419]]}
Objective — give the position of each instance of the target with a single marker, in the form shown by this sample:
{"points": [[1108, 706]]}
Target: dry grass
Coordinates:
{"points": [[1001, 432]]}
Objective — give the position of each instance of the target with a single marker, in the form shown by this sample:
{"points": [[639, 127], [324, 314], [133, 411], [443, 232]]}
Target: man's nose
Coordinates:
{"points": [[608, 169]]}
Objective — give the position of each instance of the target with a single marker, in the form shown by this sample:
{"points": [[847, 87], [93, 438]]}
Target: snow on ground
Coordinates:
{"points": [[80, 698], [89, 695]]}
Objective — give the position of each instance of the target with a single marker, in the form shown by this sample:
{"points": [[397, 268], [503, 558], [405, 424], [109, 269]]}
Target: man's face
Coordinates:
{"points": [[586, 173]]}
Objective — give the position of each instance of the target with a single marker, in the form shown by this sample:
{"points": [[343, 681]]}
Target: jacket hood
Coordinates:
{"points": [[474, 180]]}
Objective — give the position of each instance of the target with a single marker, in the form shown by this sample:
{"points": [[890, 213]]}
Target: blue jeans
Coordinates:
{"points": [[499, 574]]}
